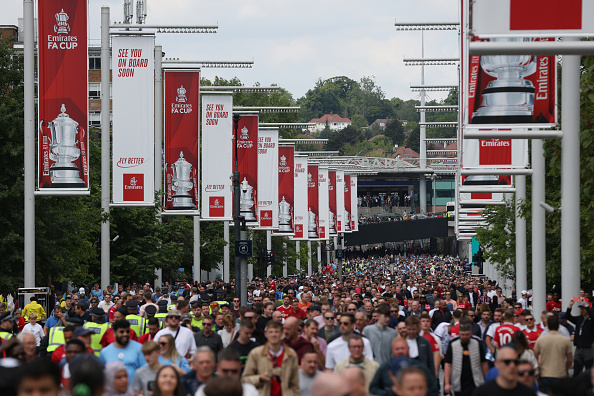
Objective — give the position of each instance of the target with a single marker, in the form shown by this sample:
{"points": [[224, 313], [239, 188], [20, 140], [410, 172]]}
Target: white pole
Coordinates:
{"points": [[538, 229], [521, 265], [226, 271], [105, 147], [196, 269], [268, 250], [309, 253], [158, 137], [29, 148], [298, 252], [423, 135], [570, 176]]}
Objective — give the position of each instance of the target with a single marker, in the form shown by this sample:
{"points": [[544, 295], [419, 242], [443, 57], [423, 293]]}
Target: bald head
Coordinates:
{"points": [[291, 328], [355, 378], [329, 384]]}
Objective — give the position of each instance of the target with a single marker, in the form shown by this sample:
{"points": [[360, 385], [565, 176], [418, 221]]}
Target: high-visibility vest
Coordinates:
{"points": [[56, 338], [98, 330], [170, 306], [161, 317], [5, 335], [197, 323], [136, 323]]}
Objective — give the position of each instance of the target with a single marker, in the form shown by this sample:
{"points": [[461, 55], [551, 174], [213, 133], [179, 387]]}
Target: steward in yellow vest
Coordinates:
{"points": [[136, 321], [98, 328]]}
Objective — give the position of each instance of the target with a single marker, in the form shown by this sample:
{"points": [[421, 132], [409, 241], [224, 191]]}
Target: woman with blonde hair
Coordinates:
{"points": [[230, 329], [168, 355]]}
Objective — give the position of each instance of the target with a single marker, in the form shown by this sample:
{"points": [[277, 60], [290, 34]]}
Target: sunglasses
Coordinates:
{"points": [[329, 317], [351, 309], [345, 323], [235, 300], [522, 373], [163, 343], [230, 371], [530, 319], [507, 362], [206, 324]]}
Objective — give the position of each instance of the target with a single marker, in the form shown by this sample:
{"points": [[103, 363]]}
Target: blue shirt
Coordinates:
{"points": [[51, 322], [131, 356], [182, 362]]}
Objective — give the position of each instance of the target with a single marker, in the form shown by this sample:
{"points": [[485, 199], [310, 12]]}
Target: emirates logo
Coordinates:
{"points": [[181, 95], [62, 26], [216, 202], [133, 181], [309, 178]]}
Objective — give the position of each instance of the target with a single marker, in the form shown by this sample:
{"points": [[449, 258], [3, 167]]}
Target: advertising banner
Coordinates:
{"points": [[182, 123], [301, 200], [268, 205], [495, 153], [133, 136], [63, 157], [339, 201], [313, 212], [332, 227], [247, 158], [347, 203], [506, 91], [286, 190], [324, 203], [217, 155], [354, 205], [532, 18]]}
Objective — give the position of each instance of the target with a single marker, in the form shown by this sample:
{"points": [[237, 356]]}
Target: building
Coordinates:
{"points": [[334, 122]]}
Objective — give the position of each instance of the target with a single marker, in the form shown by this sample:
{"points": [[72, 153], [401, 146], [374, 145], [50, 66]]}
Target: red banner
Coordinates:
{"points": [[347, 202], [286, 188], [63, 95], [182, 120], [332, 202], [247, 155], [512, 89], [312, 197], [545, 14]]}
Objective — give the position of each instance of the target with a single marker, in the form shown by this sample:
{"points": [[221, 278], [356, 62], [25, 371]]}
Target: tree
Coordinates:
{"points": [[395, 131]]}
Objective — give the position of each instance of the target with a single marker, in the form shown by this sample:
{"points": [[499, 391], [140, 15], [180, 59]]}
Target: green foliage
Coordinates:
{"points": [[395, 131], [499, 247]]}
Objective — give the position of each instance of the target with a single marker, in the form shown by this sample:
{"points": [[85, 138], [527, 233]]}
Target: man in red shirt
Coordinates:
{"points": [[503, 334], [297, 312], [531, 331], [286, 308], [554, 305], [153, 326], [433, 340]]}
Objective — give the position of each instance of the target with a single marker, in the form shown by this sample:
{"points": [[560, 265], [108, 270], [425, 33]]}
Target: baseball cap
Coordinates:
{"points": [[185, 317], [81, 290], [523, 292], [81, 331], [173, 312], [399, 363]]}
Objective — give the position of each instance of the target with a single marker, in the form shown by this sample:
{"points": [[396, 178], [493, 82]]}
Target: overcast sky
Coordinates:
{"points": [[295, 43]]}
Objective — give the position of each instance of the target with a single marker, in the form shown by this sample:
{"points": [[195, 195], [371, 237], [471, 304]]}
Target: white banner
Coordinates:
{"points": [[324, 204], [133, 103], [340, 201], [217, 155], [354, 204], [301, 202], [532, 18], [268, 178]]}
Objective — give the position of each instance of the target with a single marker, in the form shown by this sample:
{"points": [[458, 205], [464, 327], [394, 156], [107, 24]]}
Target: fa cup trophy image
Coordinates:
{"points": [[182, 184], [510, 97], [246, 203], [347, 221], [311, 226], [64, 150], [284, 216], [332, 227]]}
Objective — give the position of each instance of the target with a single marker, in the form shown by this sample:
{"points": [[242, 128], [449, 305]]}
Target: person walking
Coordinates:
{"points": [[583, 336], [554, 353]]}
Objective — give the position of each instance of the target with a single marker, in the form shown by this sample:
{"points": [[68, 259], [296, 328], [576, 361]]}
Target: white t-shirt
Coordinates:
{"points": [[37, 331], [184, 342], [338, 350]]}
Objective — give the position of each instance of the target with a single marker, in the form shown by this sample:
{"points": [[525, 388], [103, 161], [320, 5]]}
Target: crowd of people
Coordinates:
{"points": [[386, 201], [417, 325]]}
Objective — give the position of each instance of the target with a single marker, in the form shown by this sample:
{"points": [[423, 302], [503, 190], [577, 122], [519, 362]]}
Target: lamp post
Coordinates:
{"points": [[236, 217]]}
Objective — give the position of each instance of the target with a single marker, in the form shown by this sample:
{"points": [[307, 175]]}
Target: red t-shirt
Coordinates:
{"points": [[275, 385], [145, 337], [553, 306], [284, 311], [464, 305], [300, 314], [432, 341], [532, 335], [503, 334]]}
